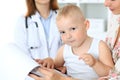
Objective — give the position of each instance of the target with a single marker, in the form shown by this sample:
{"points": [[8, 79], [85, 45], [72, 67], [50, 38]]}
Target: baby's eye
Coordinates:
{"points": [[73, 28], [62, 32]]}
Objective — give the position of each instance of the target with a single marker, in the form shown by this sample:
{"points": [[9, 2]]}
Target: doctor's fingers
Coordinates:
{"points": [[39, 61], [48, 65], [48, 62]]}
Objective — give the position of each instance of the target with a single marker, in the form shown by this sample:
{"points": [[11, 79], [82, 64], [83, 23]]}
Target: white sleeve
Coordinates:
{"points": [[15, 64], [29, 78], [20, 34]]}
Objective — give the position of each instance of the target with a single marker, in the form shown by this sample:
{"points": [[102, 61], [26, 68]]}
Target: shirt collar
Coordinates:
{"points": [[51, 12]]}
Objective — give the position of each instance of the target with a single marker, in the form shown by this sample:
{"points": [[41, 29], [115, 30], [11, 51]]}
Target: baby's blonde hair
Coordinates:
{"points": [[72, 11]]}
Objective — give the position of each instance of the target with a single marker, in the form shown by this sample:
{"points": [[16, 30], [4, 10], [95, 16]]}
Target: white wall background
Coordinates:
{"points": [[10, 10]]}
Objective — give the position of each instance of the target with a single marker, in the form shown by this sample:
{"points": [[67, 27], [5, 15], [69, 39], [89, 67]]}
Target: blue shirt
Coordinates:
{"points": [[46, 24]]}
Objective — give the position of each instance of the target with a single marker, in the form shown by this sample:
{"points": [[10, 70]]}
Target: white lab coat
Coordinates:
{"points": [[36, 38], [15, 65]]}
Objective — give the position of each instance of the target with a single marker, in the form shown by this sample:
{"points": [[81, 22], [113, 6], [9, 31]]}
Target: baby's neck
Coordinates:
{"points": [[84, 47]]}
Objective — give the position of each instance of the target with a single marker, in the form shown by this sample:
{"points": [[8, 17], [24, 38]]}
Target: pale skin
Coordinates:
{"points": [[70, 36], [43, 7], [80, 42], [113, 5], [50, 74]]}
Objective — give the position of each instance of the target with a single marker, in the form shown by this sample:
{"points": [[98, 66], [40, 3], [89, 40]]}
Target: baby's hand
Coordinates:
{"points": [[88, 59], [47, 62]]}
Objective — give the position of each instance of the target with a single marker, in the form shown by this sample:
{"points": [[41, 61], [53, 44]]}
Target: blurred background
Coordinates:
{"points": [[10, 10], [93, 10]]}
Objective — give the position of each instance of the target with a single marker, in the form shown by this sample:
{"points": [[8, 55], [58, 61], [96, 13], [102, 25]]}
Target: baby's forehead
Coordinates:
{"points": [[72, 18], [69, 22], [75, 19]]}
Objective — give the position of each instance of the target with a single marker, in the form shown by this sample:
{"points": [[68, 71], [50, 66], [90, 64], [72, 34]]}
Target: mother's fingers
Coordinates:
{"points": [[45, 71], [35, 77]]}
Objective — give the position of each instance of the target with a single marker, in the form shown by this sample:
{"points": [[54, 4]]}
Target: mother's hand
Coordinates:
{"points": [[35, 77], [50, 74]]}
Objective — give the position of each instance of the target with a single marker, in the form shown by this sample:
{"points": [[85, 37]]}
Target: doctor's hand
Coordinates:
{"points": [[88, 59], [47, 62], [39, 61]]}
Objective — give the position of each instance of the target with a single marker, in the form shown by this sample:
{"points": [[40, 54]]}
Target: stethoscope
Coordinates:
{"points": [[36, 24], [26, 25], [28, 39]]}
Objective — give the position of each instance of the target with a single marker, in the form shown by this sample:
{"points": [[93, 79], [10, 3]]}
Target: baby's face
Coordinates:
{"points": [[73, 31]]}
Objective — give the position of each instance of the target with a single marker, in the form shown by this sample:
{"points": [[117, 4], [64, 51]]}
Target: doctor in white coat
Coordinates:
{"points": [[16, 65], [36, 32]]}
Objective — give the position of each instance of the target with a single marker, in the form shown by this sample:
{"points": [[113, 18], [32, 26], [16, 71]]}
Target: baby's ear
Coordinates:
{"points": [[87, 24]]}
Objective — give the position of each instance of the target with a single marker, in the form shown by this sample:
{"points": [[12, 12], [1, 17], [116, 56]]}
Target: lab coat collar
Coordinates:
{"points": [[50, 15], [37, 15], [53, 30]]}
